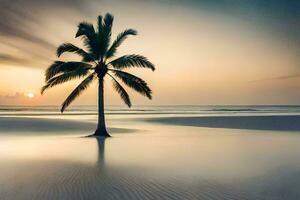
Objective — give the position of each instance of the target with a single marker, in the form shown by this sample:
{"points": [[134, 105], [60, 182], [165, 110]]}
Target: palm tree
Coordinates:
{"points": [[97, 63]]}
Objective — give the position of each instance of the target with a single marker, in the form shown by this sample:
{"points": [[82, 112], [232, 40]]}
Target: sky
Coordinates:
{"points": [[206, 52]]}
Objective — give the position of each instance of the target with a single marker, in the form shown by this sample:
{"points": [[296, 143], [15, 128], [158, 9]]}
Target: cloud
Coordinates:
{"points": [[12, 99], [278, 78], [21, 25], [15, 22], [23, 22], [13, 60]]}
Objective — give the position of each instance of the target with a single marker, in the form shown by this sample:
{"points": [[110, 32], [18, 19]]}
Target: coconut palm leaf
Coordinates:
{"points": [[89, 36], [132, 61], [92, 46], [107, 25], [59, 67], [104, 33], [86, 29], [67, 76], [77, 91], [122, 92], [134, 82], [99, 24], [68, 47], [120, 39]]}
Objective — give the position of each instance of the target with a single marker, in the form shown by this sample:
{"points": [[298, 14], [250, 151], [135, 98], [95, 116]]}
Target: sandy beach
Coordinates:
{"points": [[178, 157]]}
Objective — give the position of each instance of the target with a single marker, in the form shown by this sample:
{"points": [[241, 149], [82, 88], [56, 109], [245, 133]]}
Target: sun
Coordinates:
{"points": [[30, 95]]}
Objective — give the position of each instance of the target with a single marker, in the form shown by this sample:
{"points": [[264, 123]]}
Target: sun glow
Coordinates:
{"points": [[30, 95]]}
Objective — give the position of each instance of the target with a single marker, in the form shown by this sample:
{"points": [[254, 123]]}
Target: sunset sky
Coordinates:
{"points": [[205, 51]]}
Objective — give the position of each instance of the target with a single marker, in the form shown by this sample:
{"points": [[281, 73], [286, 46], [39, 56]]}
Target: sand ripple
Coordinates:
{"points": [[74, 181]]}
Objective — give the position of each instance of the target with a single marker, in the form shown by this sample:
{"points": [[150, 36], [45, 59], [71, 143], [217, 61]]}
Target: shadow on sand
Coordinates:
{"points": [[101, 152], [45, 126], [274, 123]]}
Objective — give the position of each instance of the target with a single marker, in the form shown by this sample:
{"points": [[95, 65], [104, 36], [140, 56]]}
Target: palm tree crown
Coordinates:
{"points": [[97, 62]]}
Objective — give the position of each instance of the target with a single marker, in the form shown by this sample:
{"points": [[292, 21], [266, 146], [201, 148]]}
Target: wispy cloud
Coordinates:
{"points": [[13, 59], [12, 99], [278, 78], [6, 59], [20, 20], [16, 21], [21, 25]]}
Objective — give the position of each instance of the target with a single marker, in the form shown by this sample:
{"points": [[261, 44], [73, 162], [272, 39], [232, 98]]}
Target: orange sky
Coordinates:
{"points": [[201, 56]]}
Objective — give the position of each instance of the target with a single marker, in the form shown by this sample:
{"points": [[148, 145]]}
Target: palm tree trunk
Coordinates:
{"points": [[101, 128]]}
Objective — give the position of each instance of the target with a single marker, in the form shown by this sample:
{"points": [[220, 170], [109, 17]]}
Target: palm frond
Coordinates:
{"points": [[77, 91], [119, 40], [90, 40], [122, 92], [92, 46], [100, 24], [85, 28], [104, 32], [68, 47], [134, 82], [59, 67], [64, 77], [132, 61], [108, 22]]}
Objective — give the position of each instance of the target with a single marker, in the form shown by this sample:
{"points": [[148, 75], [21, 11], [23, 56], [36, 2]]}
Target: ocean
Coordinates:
{"points": [[201, 110]]}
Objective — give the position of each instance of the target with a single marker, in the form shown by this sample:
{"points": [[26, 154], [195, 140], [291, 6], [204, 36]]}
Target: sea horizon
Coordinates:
{"points": [[155, 109]]}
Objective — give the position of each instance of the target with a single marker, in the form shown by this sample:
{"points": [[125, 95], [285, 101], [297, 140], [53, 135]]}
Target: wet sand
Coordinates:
{"points": [[145, 159], [275, 123]]}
